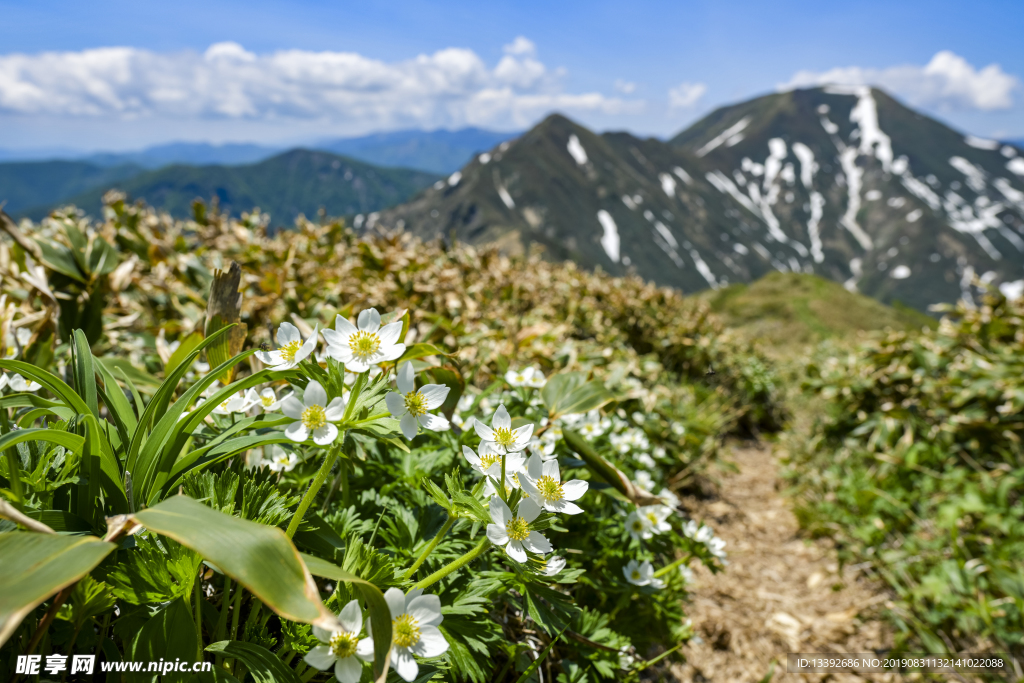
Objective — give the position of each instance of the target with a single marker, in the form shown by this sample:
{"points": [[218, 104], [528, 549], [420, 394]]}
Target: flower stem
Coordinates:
{"points": [[430, 547], [669, 567], [455, 565], [501, 484], [314, 488]]}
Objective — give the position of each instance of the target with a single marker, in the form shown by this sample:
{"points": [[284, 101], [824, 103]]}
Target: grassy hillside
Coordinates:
{"points": [[787, 311], [28, 184], [298, 181]]}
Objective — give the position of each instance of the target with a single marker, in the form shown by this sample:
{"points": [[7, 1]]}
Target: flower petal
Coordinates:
{"points": [[369, 320], [551, 470], [356, 365], [297, 432], [564, 507], [514, 549], [286, 332], [528, 509], [390, 333], [431, 644], [270, 358], [348, 670], [574, 489], [342, 354], [483, 431], [499, 511], [522, 435], [335, 409], [536, 543], [320, 657], [322, 634], [472, 457], [351, 617], [426, 609], [308, 346], [405, 665], [396, 601], [435, 423], [396, 404], [410, 427], [389, 352], [343, 326], [535, 466], [325, 435], [434, 394], [501, 419], [314, 395], [406, 376], [497, 534], [364, 649], [529, 486]]}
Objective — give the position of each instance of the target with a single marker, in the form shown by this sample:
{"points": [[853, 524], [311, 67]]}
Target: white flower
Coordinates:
{"points": [[669, 499], [543, 482], [656, 516], [704, 534], [19, 383], [3, 381], [715, 546], [500, 433], [281, 460], [266, 401], [638, 526], [291, 349], [553, 565], [593, 425], [687, 573], [414, 620], [513, 532], [641, 574], [643, 480], [369, 344], [678, 428], [660, 452], [645, 460], [313, 415], [488, 463], [342, 647], [235, 403], [528, 377], [411, 406]]}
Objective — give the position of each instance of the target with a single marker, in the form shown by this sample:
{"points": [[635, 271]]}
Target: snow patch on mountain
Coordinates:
{"points": [[729, 132], [683, 175], [576, 151], [506, 198], [814, 228], [981, 143], [1016, 165], [668, 184], [609, 234], [848, 160]]}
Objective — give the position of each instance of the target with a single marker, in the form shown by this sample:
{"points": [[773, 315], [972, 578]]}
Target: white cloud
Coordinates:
{"points": [[948, 81], [624, 87], [450, 87], [685, 95]]}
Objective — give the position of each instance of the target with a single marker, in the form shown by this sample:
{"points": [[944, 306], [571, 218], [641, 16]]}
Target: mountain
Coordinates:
{"points": [[298, 181], [842, 182], [191, 153], [28, 184], [439, 151]]}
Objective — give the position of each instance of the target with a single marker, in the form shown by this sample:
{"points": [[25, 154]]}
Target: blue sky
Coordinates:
{"points": [[287, 72]]}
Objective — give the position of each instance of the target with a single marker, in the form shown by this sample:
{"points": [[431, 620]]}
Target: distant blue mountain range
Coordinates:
{"points": [[440, 151]]}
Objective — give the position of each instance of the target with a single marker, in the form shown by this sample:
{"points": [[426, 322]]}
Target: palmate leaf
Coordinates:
{"points": [[380, 614], [261, 558], [570, 392], [150, 573], [34, 566], [264, 665]]}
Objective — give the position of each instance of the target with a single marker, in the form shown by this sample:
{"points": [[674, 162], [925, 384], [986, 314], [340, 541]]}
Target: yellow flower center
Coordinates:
{"points": [[224, 404], [635, 575], [406, 630], [488, 460], [415, 403], [550, 488], [314, 417], [517, 528], [653, 517], [638, 525], [364, 344], [343, 644], [503, 437], [289, 350], [267, 401]]}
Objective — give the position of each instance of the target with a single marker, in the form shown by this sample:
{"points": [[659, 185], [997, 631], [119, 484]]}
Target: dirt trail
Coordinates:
{"points": [[779, 594]]}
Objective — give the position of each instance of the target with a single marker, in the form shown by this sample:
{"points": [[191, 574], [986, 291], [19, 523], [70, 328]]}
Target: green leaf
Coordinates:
{"points": [[169, 635], [540, 659], [419, 351], [264, 665], [380, 614], [186, 347], [261, 558], [607, 471], [60, 520], [34, 566], [85, 375], [570, 392], [153, 572], [57, 257], [135, 376]]}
